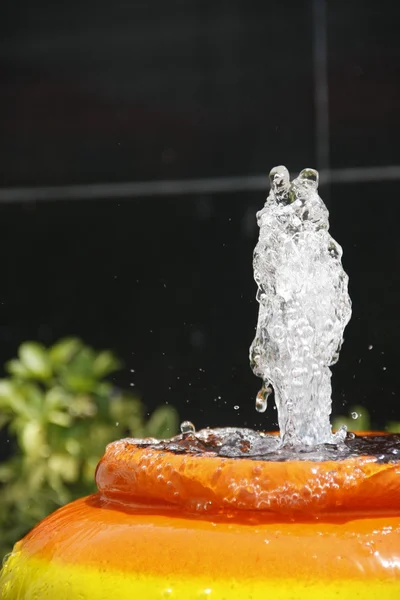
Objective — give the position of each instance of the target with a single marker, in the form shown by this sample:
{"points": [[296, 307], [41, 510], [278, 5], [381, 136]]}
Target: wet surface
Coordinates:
{"points": [[246, 443]]}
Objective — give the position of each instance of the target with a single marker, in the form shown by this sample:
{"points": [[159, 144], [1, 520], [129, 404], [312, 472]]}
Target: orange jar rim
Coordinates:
{"points": [[132, 473]]}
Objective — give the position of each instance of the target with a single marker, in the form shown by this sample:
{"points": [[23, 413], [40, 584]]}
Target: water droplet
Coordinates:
{"points": [[236, 407], [370, 347], [354, 415], [187, 427], [351, 435], [262, 399], [116, 423]]}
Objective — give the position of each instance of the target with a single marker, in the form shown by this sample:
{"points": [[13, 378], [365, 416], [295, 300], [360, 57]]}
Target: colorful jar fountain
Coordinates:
{"points": [[233, 514]]}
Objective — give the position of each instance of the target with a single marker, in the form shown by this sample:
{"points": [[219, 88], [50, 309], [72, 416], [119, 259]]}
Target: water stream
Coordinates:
{"points": [[304, 308]]}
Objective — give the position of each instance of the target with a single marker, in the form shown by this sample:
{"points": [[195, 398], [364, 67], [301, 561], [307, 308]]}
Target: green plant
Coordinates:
{"points": [[60, 412], [359, 420]]}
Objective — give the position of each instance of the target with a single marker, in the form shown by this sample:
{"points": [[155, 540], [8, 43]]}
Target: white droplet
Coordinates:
{"points": [[370, 347], [354, 415], [236, 407], [262, 399], [261, 404], [187, 427]]}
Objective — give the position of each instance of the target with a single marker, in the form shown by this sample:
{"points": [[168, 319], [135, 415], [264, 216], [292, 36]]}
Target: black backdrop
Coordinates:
{"points": [[148, 91]]}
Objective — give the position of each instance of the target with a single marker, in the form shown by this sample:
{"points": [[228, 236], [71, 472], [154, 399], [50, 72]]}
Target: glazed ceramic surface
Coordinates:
{"points": [[165, 525]]}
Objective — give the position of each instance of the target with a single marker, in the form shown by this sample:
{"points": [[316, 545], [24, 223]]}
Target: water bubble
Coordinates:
{"points": [[354, 415], [351, 435], [236, 407], [280, 182], [370, 347], [116, 423], [187, 427], [279, 333]]}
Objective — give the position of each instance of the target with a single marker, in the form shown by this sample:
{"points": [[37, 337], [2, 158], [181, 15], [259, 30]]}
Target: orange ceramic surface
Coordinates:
{"points": [[189, 527], [208, 482]]}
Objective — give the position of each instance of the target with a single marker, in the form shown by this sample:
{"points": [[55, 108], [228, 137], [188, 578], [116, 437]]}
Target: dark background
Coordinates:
{"points": [[210, 96]]}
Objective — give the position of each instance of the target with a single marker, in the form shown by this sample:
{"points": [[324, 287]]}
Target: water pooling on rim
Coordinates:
{"points": [[304, 308]]}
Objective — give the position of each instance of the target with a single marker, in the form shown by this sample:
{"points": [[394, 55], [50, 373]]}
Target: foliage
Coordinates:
{"points": [[359, 420], [61, 413]]}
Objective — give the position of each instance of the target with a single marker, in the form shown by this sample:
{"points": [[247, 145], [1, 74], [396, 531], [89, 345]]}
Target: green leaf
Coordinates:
{"points": [[7, 472], [65, 466], [83, 362], [34, 397], [63, 351], [31, 438], [17, 369], [82, 407], [34, 358], [18, 404], [163, 422], [78, 383], [393, 427], [7, 393], [105, 363], [57, 398], [60, 418], [360, 423], [4, 419]]}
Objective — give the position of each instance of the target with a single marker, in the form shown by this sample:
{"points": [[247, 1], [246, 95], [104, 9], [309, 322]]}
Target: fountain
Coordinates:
{"points": [[304, 308], [230, 513]]}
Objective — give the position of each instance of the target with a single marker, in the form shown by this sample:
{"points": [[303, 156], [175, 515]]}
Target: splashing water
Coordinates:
{"points": [[304, 308]]}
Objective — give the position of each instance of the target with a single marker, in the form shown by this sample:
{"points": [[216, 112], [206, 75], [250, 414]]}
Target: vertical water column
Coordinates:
{"points": [[304, 308]]}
